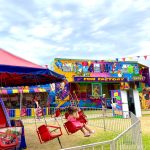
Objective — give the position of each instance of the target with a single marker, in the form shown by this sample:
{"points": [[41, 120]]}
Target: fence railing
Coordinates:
{"points": [[129, 133], [130, 139]]}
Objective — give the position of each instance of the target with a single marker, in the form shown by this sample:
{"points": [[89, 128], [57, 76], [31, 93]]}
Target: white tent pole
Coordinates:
{"points": [[21, 96]]}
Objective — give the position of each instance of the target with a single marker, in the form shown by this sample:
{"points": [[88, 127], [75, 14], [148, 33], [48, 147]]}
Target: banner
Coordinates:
{"points": [[96, 79]]}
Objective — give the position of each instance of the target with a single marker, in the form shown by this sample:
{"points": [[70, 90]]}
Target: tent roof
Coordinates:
{"points": [[12, 60], [19, 75]]}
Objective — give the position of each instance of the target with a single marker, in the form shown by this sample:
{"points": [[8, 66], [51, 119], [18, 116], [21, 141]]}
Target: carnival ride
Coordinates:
{"points": [[71, 126], [11, 131], [20, 72]]}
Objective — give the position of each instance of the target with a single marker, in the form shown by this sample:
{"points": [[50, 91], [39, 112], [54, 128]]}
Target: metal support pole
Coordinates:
{"points": [[103, 110], [59, 142], [113, 145], [21, 96]]}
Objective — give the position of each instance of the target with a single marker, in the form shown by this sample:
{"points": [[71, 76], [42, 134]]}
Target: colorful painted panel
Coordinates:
{"points": [[116, 102], [145, 98], [26, 89], [71, 68], [62, 93]]}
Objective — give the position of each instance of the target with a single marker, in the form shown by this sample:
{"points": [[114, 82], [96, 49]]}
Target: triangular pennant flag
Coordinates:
{"points": [[123, 59], [46, 66], [130, 58], [145, 57]]}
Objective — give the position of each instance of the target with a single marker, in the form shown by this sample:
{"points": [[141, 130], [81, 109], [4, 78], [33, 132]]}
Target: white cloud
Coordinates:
{"points": [[90, 4], [142, 5], [44, 29], [120, 6], [145, 47], [61, 13], [30, 49], [97, 24], [39, 30], [63, 34]]}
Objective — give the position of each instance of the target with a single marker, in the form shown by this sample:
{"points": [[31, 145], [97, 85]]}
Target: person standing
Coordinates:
{"points": [[103, 102]]}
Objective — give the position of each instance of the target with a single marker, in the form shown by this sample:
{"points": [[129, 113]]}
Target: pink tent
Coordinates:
{"points": [[12, 60], [16, 71]]}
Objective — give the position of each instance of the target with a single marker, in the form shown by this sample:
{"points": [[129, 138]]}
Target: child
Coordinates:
{"points": [[73, 116]]}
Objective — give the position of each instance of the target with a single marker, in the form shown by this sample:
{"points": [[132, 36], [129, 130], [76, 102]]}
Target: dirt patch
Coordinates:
{"points": [[145, 124]]}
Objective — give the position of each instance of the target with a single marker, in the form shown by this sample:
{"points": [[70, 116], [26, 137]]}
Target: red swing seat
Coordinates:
{"points": [[46, 135], [8, 141], [73, 126], [57, 113], [82, 117], [66, 115]]}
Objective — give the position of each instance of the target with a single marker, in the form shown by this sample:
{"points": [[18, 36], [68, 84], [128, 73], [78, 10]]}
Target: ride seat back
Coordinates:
{"points": [[44, 133], [72, 127]]}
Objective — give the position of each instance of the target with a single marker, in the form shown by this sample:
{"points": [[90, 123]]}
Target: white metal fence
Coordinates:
{"points": [[128, 129]]}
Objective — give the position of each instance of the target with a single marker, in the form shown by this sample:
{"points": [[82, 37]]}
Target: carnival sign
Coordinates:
{"points": [[139, 78], [99, 79]]}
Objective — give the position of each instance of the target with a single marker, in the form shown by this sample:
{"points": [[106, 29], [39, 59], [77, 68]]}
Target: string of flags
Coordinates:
{"points": [[137, 58], [130, 58]]}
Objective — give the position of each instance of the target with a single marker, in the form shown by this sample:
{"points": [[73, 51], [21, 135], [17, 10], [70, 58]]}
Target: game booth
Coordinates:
{"points": [[88, 80], [11, 97], [11, 131], [15, 71]]}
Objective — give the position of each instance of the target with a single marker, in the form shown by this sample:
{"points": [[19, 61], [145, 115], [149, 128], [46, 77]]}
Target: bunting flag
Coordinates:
{"points": [[46, 66], [129, 58], [123, 59], [145, 57]]}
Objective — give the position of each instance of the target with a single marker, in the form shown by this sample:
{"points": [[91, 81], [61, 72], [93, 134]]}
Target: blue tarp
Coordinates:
{"points": [[19, 76]]}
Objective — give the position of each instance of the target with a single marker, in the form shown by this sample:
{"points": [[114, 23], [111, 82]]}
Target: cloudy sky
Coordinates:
{"points": [[41, 30]]}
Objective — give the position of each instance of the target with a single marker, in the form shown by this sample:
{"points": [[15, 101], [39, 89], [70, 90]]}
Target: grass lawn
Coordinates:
{"points": [[145, 124]]}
